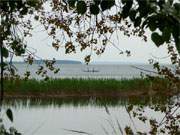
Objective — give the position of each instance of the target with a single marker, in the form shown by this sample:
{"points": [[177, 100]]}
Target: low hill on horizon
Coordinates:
{"points": [[57, 62]]}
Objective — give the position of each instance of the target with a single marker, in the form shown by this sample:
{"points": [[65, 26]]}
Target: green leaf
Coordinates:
{"points": [[97, 2], [152, 25], [33, 3], [123, 1], [177, 6], [107, 4], [94, 9], [12, 5], [132, 15], [130, 108], [5, 52], [161, 3], [72, 3], [87, 59], [125, 13], [104, 5], [143, 8], [24, 11], [151, 21], [171, 2], [81, 7], [126, 9], [176, 36], [9, 114], [111, 3], [19, 4], [157, 39], [166, 34], [4, 65], [137, 22]]}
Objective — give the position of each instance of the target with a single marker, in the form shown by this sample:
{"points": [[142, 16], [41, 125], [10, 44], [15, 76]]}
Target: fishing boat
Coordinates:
{"points": [[91, 70]]}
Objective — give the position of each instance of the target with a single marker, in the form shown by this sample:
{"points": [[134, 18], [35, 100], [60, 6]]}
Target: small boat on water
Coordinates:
{"points": [[91, 70]]}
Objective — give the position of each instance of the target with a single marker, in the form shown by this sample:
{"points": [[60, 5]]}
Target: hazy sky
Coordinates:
{"points": [[141, 51]]}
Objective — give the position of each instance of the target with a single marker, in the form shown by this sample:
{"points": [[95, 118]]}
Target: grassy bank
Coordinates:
{"points": [[85, 87]]}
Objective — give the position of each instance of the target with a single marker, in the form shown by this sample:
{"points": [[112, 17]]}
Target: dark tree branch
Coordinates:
{"points": [[2, 72]]}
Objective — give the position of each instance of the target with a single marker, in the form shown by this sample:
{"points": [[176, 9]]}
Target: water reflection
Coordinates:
{"points": [[84, 101], [55, 116]]}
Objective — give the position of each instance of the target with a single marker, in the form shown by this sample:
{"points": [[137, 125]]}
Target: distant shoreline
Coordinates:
{"points": [[57, 62], [91, 63]]}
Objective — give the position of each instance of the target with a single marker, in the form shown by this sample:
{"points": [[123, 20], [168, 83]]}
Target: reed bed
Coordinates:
{"points": [[85, 85]]}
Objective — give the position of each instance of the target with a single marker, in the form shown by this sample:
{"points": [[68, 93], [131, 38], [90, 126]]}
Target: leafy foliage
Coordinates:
{"points": [[161, 17], [169, 124], [96, 21], [94, 9], [14, 27], [9, 114], [157, 39], [90, 25], [81, 7], [11, 130]]}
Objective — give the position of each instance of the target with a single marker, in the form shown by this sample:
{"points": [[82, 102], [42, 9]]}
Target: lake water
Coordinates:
{"points": [[96, 71], [51, 117], [57, 117]]}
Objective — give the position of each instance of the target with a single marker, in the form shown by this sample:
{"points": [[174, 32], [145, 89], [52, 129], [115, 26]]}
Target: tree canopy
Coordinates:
{"points": [[80, 24], [87, 25], [157, 15]]}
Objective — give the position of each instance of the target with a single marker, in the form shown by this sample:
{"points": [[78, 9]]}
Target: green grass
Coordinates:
{"points": [[83, 85]]}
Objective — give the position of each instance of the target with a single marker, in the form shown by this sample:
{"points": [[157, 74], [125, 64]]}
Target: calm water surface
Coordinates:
{"points": [[48, 118], [79, 71]]}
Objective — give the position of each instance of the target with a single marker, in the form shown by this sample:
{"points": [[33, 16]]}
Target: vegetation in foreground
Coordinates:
{"points": [[87, 87]]}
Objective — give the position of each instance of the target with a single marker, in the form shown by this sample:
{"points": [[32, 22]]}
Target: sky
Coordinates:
{"points": [[141, 51]]}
